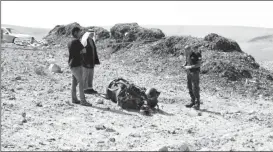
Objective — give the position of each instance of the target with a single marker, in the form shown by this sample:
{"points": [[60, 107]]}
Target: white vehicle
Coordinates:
{"points": [[10, 35]]}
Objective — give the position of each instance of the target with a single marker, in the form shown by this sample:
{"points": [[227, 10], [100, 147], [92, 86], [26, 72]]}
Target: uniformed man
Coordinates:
{"points": [[192, 66]]}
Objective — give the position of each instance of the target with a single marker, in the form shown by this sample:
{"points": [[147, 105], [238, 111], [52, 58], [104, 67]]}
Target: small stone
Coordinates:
{"points": [[232, 139], [134, 135], [19, 88], [112, 139], [163, 149], [39, 104], [50, 91], [54, 68], [110, 130], [12, 90], [184, 147], [24, 121], [51, 139], [18, 78], [12, 98], [192, 113], [190, 131], [100, 127]]}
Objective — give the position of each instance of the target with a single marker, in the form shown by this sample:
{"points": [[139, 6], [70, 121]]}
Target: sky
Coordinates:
{"points": [[48, 14]]}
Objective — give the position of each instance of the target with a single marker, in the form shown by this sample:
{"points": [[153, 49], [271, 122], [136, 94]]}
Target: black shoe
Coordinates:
{"points": [[197, 107], [85, 103], [87, 91], [76, 101], [190, 105], [92, 91]]}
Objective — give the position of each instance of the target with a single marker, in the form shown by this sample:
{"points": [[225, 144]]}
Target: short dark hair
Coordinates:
{"points": [[74, 30]]}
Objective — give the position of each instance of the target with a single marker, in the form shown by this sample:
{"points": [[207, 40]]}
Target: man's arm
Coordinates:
{"points": [[185, 63], [198, 64]]}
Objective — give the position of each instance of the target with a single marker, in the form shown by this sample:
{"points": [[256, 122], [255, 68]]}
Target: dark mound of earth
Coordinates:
{"points": [[61, 34], [217, 42], [130, 32]]}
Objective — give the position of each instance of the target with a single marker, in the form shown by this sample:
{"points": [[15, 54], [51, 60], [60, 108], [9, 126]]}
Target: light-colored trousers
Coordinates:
{"points": [[77, 79], [88, 75]]}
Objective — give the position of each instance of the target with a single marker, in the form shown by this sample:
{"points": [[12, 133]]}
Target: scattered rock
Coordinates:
{"points": [[9, 146], [40, 71], [134, 135], [12, 98], [18, 78], [41, 143], [19, 88], [51, 139], [163, 149], [112, 139], [110, 130], [24, 120], [183, 147], [100, 142], [50, 91], [39, 104], [192, 113], [269, 77], [100, 127], [55, 68], [190, 131]]}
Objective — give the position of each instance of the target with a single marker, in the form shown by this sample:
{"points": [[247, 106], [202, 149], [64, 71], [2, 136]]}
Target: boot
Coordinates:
{"points": [[197, 106], [191, 104], [76, 101]]}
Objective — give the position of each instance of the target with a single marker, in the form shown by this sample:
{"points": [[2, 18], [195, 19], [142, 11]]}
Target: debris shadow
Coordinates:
{"points": [[111, 110], [210, 112], [159, 111]]}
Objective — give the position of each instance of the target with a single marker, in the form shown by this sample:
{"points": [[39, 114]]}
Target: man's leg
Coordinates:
{"points": [[196, 89], [85, 74], [73, 90], [77, 72], [88, 74], [90, 82], [189, 85]]}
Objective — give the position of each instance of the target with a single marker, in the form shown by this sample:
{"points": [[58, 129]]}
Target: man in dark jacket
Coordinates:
{"points": [[75, 62], [90, 59], [192, 66]]}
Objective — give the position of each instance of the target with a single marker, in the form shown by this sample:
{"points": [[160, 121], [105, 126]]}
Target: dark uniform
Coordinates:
{"points": [[192, 58]]}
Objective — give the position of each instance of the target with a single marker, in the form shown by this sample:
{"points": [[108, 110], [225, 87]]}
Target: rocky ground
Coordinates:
{"points": [[37, 114]]}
